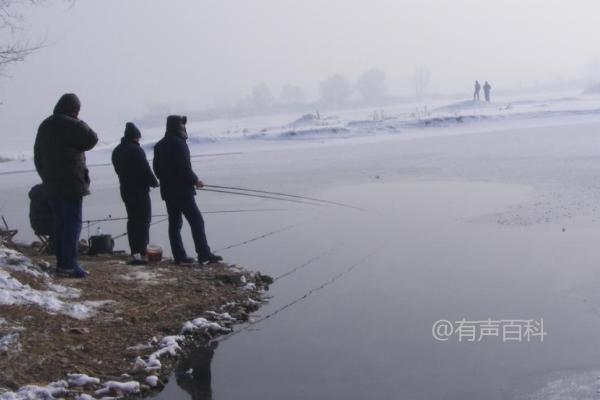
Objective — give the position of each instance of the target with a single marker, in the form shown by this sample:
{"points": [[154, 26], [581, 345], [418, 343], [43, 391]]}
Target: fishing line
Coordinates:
{"points": [[307, 263], [285, 195], [316, 289], [109, 219], [93, 222], [256, 238], [259, 196], [153, 223]]}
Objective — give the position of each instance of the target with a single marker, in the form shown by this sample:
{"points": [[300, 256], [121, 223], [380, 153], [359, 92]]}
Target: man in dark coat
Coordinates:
{"points": [[59, 156], [178, 184], [136, 179]]}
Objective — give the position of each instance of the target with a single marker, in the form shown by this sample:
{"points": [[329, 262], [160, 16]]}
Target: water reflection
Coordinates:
{"points": [[193, 373]]}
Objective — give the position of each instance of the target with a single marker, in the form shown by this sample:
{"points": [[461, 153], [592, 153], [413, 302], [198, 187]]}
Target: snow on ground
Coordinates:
{"points": [[56, 299]]}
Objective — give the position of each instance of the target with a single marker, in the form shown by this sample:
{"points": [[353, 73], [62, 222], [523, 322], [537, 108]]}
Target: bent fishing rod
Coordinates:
{"points": [[110, 218], [259, 196], [266, 192]]}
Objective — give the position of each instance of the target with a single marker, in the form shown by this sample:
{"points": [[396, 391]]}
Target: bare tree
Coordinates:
{"points": [[420, 81], [260, 99], [335, 91], [12, 48], [291, 96], [371, 85]]}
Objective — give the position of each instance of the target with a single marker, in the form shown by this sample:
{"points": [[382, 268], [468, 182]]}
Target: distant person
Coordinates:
{"points": [[477, 90], [40, 215], [136, 179], [486, 91], [59, 156], [178, 184]]}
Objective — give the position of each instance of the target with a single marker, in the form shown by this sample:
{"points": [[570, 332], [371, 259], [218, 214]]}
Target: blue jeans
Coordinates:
{"points": [[186, 204], [67, 228]]}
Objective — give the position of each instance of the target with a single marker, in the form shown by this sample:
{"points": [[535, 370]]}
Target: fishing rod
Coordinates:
{"points": [[93, 222], [306, 295], [110, 218], [259, 196], [153, 223], [207, 212], [335, 203]]}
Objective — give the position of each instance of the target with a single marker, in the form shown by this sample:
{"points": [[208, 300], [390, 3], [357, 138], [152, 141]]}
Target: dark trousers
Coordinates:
{"points": [[139, 215], [186, 205], [67, 228]]}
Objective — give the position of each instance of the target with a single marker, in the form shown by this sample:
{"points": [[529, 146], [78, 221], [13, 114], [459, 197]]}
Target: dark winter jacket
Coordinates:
{"points": [[173, 167], [59, 155], [131, 165]]}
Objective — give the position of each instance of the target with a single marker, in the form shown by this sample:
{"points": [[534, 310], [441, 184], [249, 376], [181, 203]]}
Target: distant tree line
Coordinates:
{"points": [[370, 87]]}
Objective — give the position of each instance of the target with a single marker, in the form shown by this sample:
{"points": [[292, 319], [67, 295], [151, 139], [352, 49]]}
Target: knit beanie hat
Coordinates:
{"points": [[132, 131]]}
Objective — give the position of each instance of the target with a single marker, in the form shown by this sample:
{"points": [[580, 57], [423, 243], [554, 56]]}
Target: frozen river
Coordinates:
{"points": [[499, 225]]}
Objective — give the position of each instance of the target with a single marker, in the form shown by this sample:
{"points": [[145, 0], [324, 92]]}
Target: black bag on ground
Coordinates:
{"points": [[101, 244]]}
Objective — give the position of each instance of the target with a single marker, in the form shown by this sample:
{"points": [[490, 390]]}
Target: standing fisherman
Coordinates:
{"points": [[486, 91], [59, 159], [477, 90], [178, 184], [136, 179]]}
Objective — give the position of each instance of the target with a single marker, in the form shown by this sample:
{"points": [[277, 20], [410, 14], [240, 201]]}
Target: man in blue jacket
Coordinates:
{"points": [[178, 184], [59, 156], [136, 179]]}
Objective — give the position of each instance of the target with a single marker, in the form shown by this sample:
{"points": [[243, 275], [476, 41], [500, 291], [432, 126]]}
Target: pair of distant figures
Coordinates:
{"points": [[486, 91]]}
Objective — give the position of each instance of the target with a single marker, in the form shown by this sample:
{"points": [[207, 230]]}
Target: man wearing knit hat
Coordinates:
{"points": [[136, 179], [178, 184], [59, 156]]}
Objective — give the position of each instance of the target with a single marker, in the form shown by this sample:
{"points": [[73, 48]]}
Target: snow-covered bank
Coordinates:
{"points": [[39, 324], [52, 297], [427, 118]]}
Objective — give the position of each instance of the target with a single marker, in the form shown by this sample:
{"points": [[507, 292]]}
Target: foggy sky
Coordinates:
{"points": [[123, 56]]}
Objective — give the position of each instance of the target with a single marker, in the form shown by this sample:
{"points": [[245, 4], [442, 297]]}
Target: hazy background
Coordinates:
{"points": [[127, 58]]}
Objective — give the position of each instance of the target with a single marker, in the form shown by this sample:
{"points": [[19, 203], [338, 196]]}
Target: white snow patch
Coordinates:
{"points": [[9, 342], [220, 317], [169, 345], [202, 324], [81, 380], [152, 380], [32, 392], [120, 387], [147, 277], [84, 396], [54, 299]]}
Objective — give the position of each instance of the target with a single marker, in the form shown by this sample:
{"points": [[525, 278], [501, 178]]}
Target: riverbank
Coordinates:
{"points": [[116, 333]]}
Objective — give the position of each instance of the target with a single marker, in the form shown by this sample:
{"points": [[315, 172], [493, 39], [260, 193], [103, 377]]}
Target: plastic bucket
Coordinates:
{"points": [[154, 253]]}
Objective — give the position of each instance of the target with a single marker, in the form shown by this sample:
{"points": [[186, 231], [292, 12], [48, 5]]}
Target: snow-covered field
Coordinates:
{"points": [[390, 122]]}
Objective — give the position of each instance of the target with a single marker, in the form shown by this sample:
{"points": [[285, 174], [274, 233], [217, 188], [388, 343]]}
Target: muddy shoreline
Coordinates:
{"points": [[140, 321]]}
